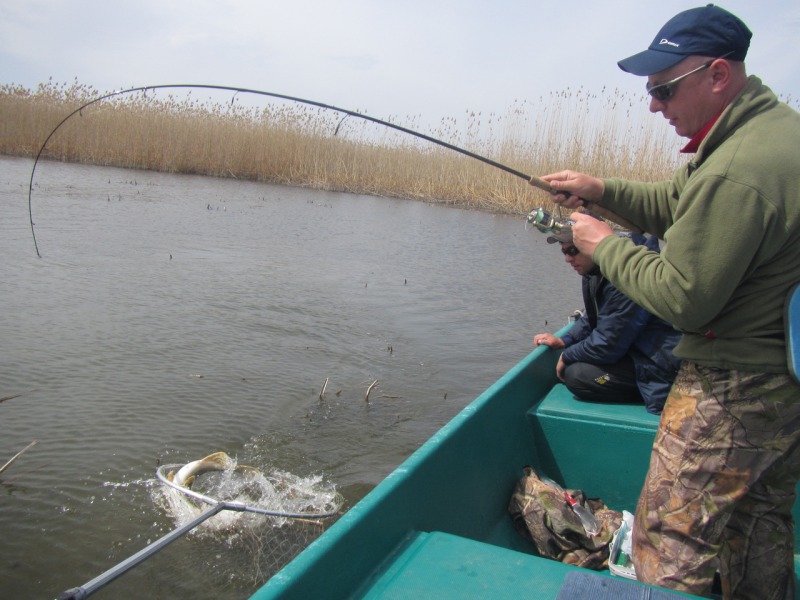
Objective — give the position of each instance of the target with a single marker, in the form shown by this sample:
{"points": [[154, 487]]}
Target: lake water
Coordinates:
{"points": [[174, 316]]}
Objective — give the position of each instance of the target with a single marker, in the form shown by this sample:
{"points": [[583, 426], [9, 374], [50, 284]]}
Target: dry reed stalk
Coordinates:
{"points": [[17, 455], [369, 389]]}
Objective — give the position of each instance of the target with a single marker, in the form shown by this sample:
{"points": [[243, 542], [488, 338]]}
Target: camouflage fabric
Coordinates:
{"points": [[542, 515], [721, 486]]}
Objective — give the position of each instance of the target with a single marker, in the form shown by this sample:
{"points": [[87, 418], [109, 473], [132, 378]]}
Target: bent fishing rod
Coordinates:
{"points": [[532, 180]]}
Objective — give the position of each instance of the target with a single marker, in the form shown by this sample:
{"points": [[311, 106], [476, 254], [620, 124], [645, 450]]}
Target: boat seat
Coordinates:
{"points": [[574, 451], [561, 403]]}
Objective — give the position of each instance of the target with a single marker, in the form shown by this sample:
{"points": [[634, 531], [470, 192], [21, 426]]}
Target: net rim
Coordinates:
{"points": [[236, 506]]}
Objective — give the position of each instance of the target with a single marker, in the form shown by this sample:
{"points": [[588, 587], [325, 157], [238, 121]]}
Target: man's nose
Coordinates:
{"points": [[656, 105]]}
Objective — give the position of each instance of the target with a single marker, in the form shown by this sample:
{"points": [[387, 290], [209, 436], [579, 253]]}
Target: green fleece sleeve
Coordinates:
{"points": [[649, 205], [715, 231]]}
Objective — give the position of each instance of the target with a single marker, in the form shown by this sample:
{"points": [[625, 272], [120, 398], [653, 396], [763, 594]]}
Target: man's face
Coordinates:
{"points": [[691, 105], [582, 263]]}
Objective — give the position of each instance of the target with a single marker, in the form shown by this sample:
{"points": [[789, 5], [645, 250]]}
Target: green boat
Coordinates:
{"points": [[438, 526]]}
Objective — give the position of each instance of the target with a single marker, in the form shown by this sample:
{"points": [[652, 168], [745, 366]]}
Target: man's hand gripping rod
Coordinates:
{"points": [[540, 183]]}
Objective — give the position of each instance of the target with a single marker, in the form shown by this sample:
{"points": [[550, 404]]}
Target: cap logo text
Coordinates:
{"points": [[668, 43]]}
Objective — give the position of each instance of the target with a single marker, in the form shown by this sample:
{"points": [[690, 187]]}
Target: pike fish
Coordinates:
{"points": [[219, 461]]}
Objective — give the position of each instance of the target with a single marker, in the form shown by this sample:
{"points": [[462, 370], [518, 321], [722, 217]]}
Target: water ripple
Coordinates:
{"points": [[156, 330]]}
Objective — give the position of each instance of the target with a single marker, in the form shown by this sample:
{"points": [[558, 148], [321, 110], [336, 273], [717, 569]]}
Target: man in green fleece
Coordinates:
{"points": [[725, 462]]}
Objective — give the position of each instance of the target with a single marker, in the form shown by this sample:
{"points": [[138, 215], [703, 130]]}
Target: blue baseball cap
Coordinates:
{"points": [[705, 31]]}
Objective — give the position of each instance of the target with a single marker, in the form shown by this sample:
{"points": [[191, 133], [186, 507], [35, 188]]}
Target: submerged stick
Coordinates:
{"points": [[16, 456], [324, 386]]}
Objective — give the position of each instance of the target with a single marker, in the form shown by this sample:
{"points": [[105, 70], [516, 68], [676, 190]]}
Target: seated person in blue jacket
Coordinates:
{"points": [[617, 351]]}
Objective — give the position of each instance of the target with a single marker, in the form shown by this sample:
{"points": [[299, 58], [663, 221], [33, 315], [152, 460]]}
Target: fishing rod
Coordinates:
{"points": [[534, 181]]}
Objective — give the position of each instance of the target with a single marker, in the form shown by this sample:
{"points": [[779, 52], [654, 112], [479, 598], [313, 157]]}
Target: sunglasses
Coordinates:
{"points": [[570, 251], [664, 91]]}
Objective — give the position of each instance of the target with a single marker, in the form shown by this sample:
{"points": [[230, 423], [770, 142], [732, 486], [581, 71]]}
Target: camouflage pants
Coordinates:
{"points": [[721, 486]]}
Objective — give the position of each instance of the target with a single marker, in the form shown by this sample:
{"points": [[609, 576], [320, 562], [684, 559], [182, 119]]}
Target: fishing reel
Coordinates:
{"points": [[547, 222]]}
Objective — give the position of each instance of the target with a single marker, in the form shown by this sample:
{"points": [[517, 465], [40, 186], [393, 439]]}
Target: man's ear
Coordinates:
{"points": [[721, 74]]}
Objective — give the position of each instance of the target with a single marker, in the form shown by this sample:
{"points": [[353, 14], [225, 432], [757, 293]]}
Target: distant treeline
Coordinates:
{"points": [[607, 134]]}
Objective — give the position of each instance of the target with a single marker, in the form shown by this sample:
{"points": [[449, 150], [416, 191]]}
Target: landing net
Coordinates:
{"points": [[269, 517]]}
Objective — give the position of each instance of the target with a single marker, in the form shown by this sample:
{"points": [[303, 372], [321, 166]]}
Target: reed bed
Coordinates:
{"points": [[288, 143]]}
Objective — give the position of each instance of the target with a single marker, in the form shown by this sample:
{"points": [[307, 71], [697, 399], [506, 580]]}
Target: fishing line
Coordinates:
{"points": [[535, 181]]}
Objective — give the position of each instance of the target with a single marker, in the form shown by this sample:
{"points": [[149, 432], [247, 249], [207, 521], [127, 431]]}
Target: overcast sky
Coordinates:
{"points": [[435, 58]]}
